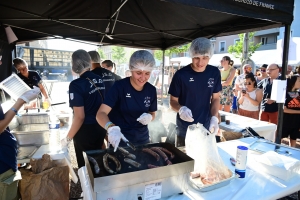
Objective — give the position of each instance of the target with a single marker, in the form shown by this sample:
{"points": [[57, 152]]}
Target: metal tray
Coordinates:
{"points": [[33, 118], [31, 137], [143, 158], [33, 127], [206, 188], [263, 146], [130, 182], [26, 151]]}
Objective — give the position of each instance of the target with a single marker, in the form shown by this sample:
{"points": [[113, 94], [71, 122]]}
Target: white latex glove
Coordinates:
{"points": [[115, 136], [214, 125], [31, 94], [145, 118], [186, 114], [64, 143]]}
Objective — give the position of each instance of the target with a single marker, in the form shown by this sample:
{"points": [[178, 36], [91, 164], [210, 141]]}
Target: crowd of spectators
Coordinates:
{"points": [[249, 94]]}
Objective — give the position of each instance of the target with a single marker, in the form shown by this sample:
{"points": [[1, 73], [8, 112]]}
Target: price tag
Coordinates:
{"points": [[153, 191]]}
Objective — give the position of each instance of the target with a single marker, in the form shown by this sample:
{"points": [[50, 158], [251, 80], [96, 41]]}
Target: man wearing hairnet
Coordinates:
{"points": [[130, 104], [107, 76], [195, 91]]}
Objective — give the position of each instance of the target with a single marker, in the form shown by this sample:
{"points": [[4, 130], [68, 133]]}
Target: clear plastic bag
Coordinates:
{"points": [[202, 147]]}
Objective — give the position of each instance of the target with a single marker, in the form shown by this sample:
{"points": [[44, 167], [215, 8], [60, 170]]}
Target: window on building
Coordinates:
{"points": [[236, 40], [222, 46], [264, 40]]}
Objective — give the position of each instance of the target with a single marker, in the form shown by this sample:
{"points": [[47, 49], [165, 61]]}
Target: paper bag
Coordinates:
{"points": [[50, 184], [39, 165], [45, 181]]}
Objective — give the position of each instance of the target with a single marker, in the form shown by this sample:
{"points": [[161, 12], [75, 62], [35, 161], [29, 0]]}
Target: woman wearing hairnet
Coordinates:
{"points": [[195, 91], [9, 174], [86, 94], [31, 78], [131, 103]]}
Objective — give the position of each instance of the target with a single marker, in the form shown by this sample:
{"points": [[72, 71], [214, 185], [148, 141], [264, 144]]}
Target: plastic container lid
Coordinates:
{"points": [[14, 86]]}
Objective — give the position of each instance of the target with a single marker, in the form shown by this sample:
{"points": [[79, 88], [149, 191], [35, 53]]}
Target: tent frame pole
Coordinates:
{"points": [[162, 76], [285, 56]]}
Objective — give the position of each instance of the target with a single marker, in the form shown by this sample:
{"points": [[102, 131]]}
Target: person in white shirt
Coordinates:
{"points": [[239, 82], [250, 98]]}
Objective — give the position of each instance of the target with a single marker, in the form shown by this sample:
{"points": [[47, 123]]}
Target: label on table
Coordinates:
{"points": [[153, 191]]}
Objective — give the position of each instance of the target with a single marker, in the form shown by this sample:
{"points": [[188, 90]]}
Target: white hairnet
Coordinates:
{"points": [[80, 60], [141, 60], [95, 56], [201, 47]]}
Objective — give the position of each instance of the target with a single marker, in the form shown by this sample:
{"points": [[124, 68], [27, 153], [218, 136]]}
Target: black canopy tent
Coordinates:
{"points": [[151, 24]]}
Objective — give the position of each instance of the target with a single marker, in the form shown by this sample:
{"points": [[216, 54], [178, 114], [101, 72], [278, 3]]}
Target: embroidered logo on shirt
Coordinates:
{"points": [[191, 79], [211, 82], [128, 95], [34, 78], [95, 81], [71, 96], [147, 101]]}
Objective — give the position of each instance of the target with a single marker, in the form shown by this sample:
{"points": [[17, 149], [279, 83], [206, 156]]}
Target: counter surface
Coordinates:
{"points": [[256, 185], [238, 123]]}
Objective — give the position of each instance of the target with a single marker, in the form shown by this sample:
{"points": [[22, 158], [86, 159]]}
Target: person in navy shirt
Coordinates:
{"points": [[195, 91], [31, 78], [130, 104], [107, 76], [86, 94], [111, 66], [9, 148]]}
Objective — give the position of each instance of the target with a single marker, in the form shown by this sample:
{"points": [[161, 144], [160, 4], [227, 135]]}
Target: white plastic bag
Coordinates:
{"points": [[202, 147]]}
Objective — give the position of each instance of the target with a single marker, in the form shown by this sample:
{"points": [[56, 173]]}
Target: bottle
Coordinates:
{"points": [[54, 134], [241, 161]]}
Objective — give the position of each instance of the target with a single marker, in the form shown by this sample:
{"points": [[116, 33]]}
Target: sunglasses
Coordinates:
{"points": [[248, 83], [263, 70]]}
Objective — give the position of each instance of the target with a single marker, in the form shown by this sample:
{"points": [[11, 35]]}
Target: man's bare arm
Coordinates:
{"points": [[174, 103]]}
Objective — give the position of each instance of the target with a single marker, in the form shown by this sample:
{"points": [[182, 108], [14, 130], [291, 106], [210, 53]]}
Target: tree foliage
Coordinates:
{"points": [[101, 53], [237, 49], [118, 54], [181, 49]]}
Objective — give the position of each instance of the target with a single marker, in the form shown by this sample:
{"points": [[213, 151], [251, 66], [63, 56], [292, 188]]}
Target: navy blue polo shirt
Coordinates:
{"points": [[117, 77], [107, 77], [266, 85], [33, 79], [84, 93], [129, 104], [194, 90], [8, 149]]}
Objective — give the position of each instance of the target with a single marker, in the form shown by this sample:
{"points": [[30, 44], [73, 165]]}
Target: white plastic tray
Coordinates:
{"points": [[14, 86]]}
